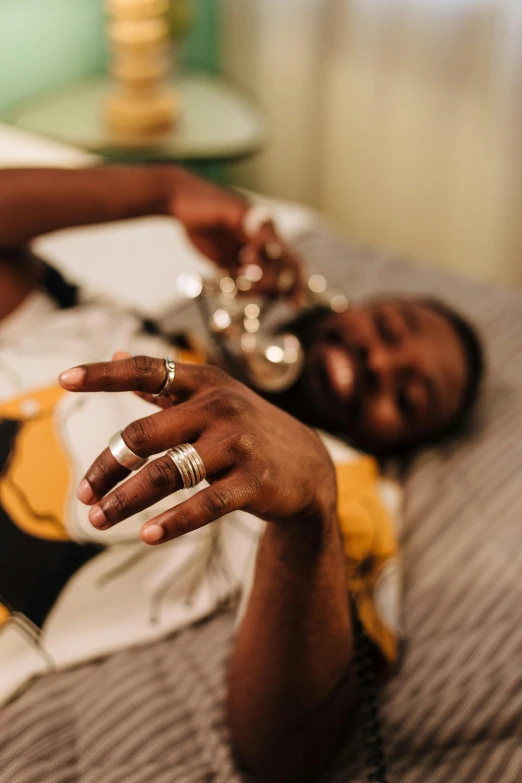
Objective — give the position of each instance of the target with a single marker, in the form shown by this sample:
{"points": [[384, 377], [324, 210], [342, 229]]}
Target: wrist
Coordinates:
{"points": [[303, 543]]}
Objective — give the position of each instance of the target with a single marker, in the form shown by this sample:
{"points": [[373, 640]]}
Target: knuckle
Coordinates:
{"points": [[105, 376], [230, 403], [228, 446], [255, 484], [217, 501], [137, 435], [212, 378], [218, 376], [213, 398], [99, 471], [243, 445], [144, 365], [118, 501], [261, 476], [161, 474]]}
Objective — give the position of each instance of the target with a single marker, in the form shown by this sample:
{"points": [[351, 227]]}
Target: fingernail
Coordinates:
{"points": [[72, 378], [85, 493], [152, 534], [97, 518]]}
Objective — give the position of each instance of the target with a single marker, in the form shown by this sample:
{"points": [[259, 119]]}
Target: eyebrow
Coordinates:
{"points": [[410, 318]]}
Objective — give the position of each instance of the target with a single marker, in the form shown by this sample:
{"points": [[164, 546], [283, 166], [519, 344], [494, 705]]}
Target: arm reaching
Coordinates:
{"points": [[291, 680], [34, 202], [291, 687]]}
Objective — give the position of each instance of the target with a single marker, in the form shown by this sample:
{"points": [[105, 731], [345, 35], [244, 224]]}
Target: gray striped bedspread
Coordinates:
{"points": [[452, 713]]}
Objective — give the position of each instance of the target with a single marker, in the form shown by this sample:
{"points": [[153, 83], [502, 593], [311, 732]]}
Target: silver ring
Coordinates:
{"points": [[189, 463], [200, 473], [170, 369], [182, 469], [125, 456]]}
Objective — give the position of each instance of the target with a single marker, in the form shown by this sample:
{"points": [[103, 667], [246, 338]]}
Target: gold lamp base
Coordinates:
{"points": [[143, 105], [148, 114]]}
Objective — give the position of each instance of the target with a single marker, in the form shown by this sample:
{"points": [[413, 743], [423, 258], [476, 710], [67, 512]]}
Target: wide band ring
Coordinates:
{"points": [[189, 463], [170, 369], [125, 456]]}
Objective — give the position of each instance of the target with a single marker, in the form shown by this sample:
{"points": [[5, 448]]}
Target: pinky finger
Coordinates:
{"points": [[201, 509]]}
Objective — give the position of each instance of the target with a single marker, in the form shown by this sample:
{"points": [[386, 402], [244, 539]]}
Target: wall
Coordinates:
{"points": [[399, 120], [45, 44]]}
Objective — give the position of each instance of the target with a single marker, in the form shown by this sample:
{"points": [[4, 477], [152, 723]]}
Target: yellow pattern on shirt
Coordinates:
{"points": [[370, 543], [34, 488], [5, 614]]}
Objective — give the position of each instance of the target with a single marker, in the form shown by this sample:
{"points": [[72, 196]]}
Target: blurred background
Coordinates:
{"points": [[399, 120]]}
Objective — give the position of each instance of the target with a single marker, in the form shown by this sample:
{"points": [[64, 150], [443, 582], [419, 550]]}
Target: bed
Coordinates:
{"points": [[452, 713]]}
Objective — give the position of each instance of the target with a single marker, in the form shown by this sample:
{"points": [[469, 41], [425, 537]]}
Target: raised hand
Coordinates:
{"points": [[256, 457]]}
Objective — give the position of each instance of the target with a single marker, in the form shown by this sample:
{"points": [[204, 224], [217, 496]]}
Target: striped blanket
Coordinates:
{"points": [[454, 710]]}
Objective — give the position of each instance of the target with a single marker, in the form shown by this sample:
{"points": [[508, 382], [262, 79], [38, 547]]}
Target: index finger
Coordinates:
{"points": [[138, 374]]}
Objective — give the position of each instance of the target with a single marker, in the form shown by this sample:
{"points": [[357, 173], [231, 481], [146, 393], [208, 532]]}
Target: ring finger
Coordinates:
{"points": [[156, 481], [144, 437]]}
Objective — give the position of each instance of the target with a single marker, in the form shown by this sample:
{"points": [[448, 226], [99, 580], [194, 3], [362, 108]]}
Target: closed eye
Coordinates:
{"points": [[385, 328], [414, 398]]}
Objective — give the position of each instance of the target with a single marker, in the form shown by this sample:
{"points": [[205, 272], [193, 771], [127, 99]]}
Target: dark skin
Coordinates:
{"points": [[291, 674], [407, 362], [291, 679], [389, 375]]}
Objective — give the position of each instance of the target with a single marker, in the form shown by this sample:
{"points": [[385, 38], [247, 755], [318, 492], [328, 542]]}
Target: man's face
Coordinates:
{"points": [[388, 375]]}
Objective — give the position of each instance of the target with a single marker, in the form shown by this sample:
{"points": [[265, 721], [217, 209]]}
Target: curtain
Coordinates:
{"points": [[399, 119]]}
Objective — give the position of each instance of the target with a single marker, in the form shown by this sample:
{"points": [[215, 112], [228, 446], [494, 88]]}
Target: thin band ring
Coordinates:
{"points": [[182, 469], [197, 463], [170, 369], [189, 463], [123, 455]]}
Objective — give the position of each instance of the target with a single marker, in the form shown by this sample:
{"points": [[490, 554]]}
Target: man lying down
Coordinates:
{"points": [[102, 548]]}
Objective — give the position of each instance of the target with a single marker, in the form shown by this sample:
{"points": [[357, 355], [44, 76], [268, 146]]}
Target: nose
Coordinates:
{"points": [[381, 364], [385, 364]]}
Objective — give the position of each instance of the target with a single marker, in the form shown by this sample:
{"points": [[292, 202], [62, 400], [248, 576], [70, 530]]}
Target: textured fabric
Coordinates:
{"points": [[452, 713], [74, 593]]}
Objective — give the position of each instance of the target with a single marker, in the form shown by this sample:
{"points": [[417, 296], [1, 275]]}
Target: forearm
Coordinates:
{"points": [[291, 686], [34, 202]]}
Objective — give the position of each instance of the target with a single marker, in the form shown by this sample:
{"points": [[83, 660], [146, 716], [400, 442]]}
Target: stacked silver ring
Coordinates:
{"points": [[189, 463], [170, 369]]}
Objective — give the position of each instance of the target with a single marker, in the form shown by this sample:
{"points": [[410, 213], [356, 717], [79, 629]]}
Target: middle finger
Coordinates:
{"points": [[145, 437], [154, 482]]}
